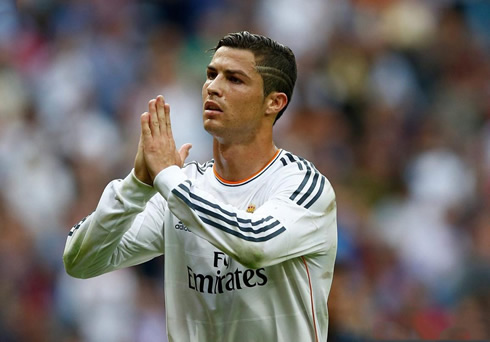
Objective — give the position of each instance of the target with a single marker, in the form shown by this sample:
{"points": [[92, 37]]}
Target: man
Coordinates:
{"points": [[249, 237]]}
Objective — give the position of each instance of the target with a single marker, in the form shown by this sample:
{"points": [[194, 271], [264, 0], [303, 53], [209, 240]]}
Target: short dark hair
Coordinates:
{"points": [[275, 62]]}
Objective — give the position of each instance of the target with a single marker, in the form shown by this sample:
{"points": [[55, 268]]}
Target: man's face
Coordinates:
{"points": [[233, 97]]}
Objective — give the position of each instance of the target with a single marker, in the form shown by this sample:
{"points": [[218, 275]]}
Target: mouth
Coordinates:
{"points": [[211, 107]]}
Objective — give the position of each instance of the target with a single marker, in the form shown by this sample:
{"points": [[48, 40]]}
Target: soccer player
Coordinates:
{"points": [[250, 237]]}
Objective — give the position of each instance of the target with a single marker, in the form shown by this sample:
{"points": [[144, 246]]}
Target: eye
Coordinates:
{"points": [[211, 75], [235, 80]]}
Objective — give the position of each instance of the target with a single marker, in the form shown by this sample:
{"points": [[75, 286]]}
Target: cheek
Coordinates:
{"points": [[204, 90], [254, 103]]}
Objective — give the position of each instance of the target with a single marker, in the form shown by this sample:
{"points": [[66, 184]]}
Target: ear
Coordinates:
{"points": [[275, 102]]}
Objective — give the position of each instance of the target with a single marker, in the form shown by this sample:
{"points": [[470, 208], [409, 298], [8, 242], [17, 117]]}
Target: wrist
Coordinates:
{"points": [[142, 176], [136, 190], [168, 179]]}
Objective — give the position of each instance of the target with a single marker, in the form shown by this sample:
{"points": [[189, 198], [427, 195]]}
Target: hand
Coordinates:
{"points": [[156, 148], [140, 170]]}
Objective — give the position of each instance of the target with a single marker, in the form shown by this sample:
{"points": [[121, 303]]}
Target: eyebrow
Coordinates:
{"points": [[229, 71]]}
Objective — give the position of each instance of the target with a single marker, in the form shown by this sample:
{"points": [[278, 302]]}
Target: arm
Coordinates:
{"points": [[124, 230], [282, 228]]}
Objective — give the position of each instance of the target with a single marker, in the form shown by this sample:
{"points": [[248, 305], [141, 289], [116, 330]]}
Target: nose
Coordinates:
{"points": [[213, 87]]}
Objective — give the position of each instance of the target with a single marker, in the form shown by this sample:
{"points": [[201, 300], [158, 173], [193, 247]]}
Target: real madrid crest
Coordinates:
{"points": [[251, 208]]}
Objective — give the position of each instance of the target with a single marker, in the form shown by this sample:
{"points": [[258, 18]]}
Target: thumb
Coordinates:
{"points": [[184, 152]]}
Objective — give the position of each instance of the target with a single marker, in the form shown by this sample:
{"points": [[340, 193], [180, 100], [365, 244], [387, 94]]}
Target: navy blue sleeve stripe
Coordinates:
{"points": [[309, 196], [291, 158], [219, 217], [241, 236], [75, 227], [198, 167], [317, 195], [303, 183], [234, 215], [310, 189], [201, 168], [234, 223], [230, 214]]}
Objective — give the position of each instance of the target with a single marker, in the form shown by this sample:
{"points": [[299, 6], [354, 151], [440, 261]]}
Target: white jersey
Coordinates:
{"points": [[244, 261]]}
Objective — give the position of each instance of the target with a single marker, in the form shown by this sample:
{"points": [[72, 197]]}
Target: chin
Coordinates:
{"points": [[211, 126], [217, 131]]}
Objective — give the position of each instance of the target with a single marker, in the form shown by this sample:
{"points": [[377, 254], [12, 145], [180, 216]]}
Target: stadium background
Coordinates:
{"points": [[392, 104]]}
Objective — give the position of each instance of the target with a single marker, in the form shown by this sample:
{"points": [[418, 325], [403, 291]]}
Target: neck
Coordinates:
{"points": [[236, 162]]}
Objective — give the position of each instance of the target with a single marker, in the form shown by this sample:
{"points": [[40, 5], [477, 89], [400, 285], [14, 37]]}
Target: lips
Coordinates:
{"points": [[211, 106]]}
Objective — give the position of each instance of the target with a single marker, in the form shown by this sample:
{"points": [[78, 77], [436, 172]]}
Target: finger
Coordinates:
{"points": [[160, 105], [140, 169], [145, 125], [168, 124], [155, 125], [184, 152]]}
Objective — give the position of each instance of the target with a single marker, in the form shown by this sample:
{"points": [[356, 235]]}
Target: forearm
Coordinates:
{"points": [[94, 246]]}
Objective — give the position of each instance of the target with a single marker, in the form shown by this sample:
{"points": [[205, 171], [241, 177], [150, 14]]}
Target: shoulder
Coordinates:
{"points": [[301, 181]]}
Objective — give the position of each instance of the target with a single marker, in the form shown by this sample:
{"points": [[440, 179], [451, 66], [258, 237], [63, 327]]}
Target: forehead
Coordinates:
{"points": [[234, 59]]}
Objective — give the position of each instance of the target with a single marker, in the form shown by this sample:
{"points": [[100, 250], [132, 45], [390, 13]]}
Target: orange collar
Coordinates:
{"points": [[248, 178]]}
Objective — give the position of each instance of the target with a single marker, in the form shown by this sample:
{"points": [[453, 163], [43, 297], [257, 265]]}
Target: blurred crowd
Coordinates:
{"points": [[392, 104]]}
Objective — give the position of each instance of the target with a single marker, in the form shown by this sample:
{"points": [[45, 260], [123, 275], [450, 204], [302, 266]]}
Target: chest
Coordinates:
{"points": [[201, 268]]}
